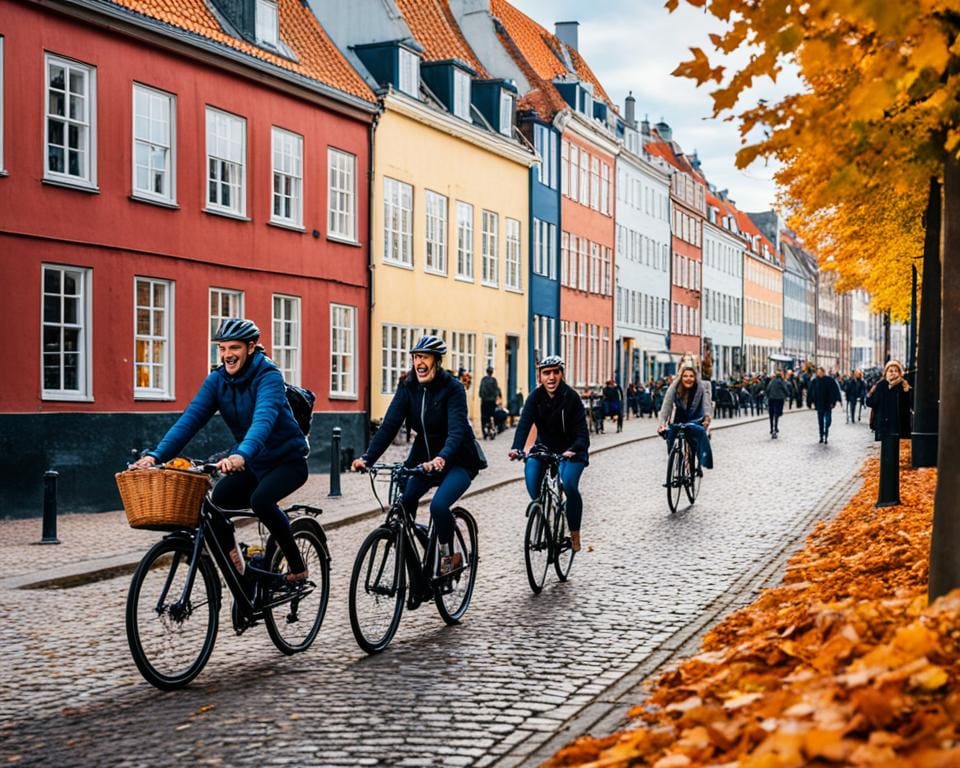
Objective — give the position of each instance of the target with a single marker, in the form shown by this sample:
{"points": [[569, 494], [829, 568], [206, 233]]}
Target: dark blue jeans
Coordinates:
{"points": [[450, 485], [775, 408], [824, 419], [570, 472], [696, 436]]}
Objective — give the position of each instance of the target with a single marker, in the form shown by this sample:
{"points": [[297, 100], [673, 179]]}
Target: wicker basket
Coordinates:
{"points": [[162, 500]]}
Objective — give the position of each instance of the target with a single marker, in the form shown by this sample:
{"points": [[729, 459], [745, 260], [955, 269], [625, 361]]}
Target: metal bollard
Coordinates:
{"points": [[335, 463], [888, 491], [50, 507]]}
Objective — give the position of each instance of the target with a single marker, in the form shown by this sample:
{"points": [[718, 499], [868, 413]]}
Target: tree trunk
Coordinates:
{"points": [[945, 542], [886, 337], [926, 393]]}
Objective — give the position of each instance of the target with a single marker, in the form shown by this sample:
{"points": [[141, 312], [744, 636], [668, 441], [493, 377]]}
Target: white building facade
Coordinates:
{"points": [[861, 348], [722, 300]]}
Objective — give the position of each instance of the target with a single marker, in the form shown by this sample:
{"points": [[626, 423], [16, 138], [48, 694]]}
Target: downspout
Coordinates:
{"points": [[371, 176]]}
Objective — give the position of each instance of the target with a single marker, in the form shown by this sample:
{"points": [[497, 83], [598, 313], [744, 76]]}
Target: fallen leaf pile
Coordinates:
{"points": [[842, 664]]}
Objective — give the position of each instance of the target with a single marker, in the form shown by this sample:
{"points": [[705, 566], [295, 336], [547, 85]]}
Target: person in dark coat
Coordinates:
{"points": [[890, 398], [613, 402], [852, 394], [824, 394], [777, 392]]}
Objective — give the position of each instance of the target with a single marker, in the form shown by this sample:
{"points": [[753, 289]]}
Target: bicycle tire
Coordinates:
{"points": [[536, 547], [674, 479], [563, 553], [377, 589], [452, 596], [152, 612], [692, 486], [313, 604]]}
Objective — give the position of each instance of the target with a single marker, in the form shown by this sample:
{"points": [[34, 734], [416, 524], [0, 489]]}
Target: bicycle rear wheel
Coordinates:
{"points": [[293, 626], [536, 546], [452, 593], [692, 486], [377, 589], [674, 478], [171, 636], [563, 549]]}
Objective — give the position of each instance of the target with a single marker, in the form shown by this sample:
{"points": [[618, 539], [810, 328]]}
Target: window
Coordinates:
{"points": [[463, 352], [565, 267], [574, 172], [266, 29], [595, 183], [436, 260], [70, 128], [224, 303], [489, 352], [343, 353], [584, 178], [490, 249], [506, 113], [396, 340], [66, 341], [545, 143], [341, 195], [153, 132], [605, 189], [409, 80], [565, 168], [152, 338], [226, 171], [583, 266], [397, 222], [544, 343], [461, 94], [287, 204], [594, 268], [512, 260], [464, 241], [286, 337]]}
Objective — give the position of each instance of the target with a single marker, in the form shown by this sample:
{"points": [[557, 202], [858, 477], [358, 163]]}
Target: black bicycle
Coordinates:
{"points": [[545, 540], [399, 560], [683, 466], [172, 620]]}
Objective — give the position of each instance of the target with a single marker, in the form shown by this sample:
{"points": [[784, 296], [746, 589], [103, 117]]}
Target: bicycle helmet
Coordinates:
{"points": [[551, 361], [237, 329], [432, 344]]}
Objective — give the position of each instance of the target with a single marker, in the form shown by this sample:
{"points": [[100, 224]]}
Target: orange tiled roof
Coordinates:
{"points": [[434, 27], [318, 58], [746, 225]]}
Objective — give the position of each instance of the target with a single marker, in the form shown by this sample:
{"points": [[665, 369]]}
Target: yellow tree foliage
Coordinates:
{"points": [[858, 145]]}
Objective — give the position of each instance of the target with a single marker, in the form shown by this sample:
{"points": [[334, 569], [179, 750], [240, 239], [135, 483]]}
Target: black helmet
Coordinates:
{"points": [[432, 344], [551, 361], [237, 329]]}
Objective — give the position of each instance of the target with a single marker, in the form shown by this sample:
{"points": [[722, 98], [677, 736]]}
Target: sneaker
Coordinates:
{"points": [[450, 563], [821, 438]]}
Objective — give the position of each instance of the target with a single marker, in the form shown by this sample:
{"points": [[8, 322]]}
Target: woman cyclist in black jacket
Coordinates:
{"points": [[434, 404]]}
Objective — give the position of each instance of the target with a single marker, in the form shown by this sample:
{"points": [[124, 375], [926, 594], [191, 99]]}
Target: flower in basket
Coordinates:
{"points": [[178, 463]]}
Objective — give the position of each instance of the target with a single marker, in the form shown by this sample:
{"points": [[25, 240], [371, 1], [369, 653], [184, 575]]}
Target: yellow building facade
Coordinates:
{"points": [[449, 248]]}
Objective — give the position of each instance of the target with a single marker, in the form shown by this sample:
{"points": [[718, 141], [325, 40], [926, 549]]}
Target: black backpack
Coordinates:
{"points": [[301, 402]]}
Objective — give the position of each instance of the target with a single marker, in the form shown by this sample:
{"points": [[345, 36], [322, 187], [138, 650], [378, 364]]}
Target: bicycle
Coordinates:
{"points": [[172, 622], [545, 540], [683, 467], [402, 555]]}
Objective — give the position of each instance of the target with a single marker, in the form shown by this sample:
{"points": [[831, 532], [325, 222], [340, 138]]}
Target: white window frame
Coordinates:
{"points": [[489, 352], [513, 256], [267, 23], [286, 153], [341, 195], [490, 248], [235, 299], [286, 335], [574, 186], [218, 147], [408, 72], [506, 112], [435, 255], [463, 352], [161, 387], [397, 222], [343, 345], [82, 324], [85, 126], [461, 94], [464, 241], [153, 143]]}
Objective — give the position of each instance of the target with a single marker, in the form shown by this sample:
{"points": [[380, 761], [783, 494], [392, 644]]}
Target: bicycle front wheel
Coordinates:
{"points": [[452, 593], [171, 632], [692, 486], [377, 588], [675, 479], [563, 548], [293, 626], [536, 547]]}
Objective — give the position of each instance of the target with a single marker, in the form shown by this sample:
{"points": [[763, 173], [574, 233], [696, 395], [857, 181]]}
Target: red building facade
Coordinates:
{"points": [[157, 181]]}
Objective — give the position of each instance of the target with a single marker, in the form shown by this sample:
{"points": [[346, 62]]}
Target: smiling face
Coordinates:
{"points": [[893, 374], [551, 378], [234, 354], [425, 366], [687, 379]]}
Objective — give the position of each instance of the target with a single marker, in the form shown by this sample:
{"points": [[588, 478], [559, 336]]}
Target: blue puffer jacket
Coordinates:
{"points": [[254, 405]]}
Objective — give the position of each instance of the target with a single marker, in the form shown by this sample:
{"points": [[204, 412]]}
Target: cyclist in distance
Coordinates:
{"points": [[433, 403], [269, 459], [561, 421], [686, 401]]}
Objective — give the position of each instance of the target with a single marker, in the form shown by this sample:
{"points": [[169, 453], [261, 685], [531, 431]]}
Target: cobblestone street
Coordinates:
{"points": [[491, 691]]}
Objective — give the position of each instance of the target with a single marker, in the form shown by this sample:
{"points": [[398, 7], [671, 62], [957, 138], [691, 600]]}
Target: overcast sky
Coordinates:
{"points": [[633, 45]]}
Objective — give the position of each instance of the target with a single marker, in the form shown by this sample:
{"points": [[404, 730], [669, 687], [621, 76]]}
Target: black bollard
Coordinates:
{"points": [[335, 463], [888, 494], [50, 507]]}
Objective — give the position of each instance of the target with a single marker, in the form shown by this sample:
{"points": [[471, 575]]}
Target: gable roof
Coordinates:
{"points": [[434, 27], [317, 58]]}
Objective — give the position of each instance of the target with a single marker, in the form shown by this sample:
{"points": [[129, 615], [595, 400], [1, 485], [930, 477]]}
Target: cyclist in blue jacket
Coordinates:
{"points": [[269, 459]]}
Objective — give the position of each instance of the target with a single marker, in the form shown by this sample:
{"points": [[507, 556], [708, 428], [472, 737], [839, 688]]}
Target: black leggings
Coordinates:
{"points": [[244, 490], [775, 408]]}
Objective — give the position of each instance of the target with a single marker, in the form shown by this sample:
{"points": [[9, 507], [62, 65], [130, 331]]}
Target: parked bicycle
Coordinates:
{"points": [[683, 466], [173, 605], [545, 540], [399, 561]]}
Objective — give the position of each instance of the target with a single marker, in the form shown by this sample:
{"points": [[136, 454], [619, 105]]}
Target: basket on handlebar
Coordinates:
{"points": [[162, 500]]}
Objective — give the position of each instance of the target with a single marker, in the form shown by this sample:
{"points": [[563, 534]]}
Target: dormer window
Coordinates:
{"points": [[461, 94], [506, 113], [267, 23], [587, 102], [409, 68]]}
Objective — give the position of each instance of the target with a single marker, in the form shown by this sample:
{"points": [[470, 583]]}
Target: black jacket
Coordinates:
{"points": [[824, 392], [438, 414], [778, 389], [891, 411], [561, 422]]}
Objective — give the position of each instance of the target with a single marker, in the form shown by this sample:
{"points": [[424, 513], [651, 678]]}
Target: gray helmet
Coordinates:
{"points": [[237, 329], [551, 361], [432, 344]]}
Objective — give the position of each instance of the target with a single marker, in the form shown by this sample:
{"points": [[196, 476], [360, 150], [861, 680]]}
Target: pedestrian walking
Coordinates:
{"points": [[777, 392], [489, 394], [823, 395], [852, 395], [613, 402], [890, 398]]}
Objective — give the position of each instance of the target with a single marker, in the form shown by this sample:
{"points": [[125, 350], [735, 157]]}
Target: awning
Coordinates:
{"points": [[666, 357], [782, 358]]}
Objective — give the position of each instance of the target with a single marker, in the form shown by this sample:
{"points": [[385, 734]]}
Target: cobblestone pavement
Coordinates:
{"points": [[490, 691]]}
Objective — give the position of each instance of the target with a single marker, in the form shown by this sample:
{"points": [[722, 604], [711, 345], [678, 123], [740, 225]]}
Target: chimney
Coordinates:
{"points": [[630, 110], [645, 126], [568, 32]]}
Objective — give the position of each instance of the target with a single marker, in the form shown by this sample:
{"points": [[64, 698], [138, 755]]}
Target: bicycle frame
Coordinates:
{"points": [[551, 489]]}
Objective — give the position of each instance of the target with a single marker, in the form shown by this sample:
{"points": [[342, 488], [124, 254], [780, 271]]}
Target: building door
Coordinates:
{"points": [[512, 348]]}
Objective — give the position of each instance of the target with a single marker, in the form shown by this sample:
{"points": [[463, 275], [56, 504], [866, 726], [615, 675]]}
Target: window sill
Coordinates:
{"points": [[3, 172], [514, 290], [152, 201], [434, 272], [65, 397], [334, 396], [398, 264], [287, 226], [463, 279], [79, 186], [227, 214], [344, 240], [485, 284], [151, 398]]}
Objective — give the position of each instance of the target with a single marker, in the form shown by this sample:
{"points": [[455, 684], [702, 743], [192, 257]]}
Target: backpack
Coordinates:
{"points": [[301, 402]]}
